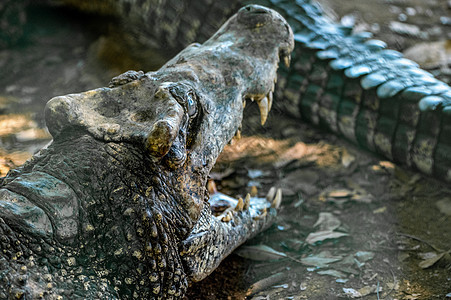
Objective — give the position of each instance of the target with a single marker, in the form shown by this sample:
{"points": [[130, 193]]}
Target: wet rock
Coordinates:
{"points": [[430, 55], [407, 29], [444, 206]]}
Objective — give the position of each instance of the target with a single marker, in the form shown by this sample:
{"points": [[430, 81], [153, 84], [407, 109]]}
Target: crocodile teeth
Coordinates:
{"points": [[270, 98], [238, 134], [240, 205], [254, 191], [271, 194], [264, 109], [211, 186], [244, 104], [263, 214], [277, 200], [227, 217], [247, 201], [287, 60]]}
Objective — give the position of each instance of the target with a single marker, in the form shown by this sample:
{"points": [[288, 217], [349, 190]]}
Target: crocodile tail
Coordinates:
{"points": [[354, 86]]}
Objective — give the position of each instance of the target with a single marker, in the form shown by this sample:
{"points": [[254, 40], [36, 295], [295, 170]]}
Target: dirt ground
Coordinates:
{"points": [[351, 225]]}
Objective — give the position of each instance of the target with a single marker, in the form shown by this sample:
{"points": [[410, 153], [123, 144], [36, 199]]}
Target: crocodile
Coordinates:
{"points": [[117, 205], [343, 81]]}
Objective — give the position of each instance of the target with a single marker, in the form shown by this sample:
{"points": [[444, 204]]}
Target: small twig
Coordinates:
{"points": [[421, 240], [394, 284], [377, 290], [264, 283], [294, 259]]}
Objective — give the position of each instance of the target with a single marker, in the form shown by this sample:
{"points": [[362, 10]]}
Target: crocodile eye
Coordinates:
{"points": [[191, 104], [186, 97]]}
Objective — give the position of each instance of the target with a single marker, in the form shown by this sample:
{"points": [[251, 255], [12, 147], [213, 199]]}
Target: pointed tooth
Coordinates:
{"points": [[271, 194], [240, 205], [211, 186], [226, 218], [254, 191], [275, 79], [247, 201], [270, 98], [273, 87], [262, 214], [244, 104], [263, 106], [238, 134], [287, 60], [277, 200]]}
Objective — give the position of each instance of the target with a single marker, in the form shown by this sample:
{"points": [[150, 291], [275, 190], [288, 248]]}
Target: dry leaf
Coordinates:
{"points": [[380, 210], [333, 273], [260, 252], [319, 236], [342, 193], [327, 222], [363, 256], [431, 261], [320, 260]]}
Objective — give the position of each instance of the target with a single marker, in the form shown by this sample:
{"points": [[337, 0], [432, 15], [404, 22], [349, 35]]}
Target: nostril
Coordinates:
{"points": [[256, 9]]}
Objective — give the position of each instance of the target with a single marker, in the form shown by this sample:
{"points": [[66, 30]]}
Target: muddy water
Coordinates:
{"points": [[390, 229]]}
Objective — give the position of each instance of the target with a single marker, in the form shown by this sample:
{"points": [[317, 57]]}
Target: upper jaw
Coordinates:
{"points": [[255, 51]]}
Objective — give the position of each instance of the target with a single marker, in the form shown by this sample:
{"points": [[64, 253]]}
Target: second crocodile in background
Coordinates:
{"points": [[117, 206]]}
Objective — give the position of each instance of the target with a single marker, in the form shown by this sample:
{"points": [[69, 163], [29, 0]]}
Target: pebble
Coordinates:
{"points": [[411, 11]]}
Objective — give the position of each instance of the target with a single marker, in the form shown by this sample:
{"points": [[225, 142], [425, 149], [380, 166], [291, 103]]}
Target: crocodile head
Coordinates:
{"points": [[186, 112], [121, 191]]}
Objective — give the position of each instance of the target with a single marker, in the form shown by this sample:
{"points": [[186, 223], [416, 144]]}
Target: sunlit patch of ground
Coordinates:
{"points": [[281, 152], [20, 138]]}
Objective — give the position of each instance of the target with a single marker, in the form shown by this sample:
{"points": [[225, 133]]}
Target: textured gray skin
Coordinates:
{"points": [[116, 205], [347, 83]]}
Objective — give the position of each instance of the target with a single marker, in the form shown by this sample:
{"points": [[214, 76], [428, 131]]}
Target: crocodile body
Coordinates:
{"points": [[345, 82], [117, 206]]}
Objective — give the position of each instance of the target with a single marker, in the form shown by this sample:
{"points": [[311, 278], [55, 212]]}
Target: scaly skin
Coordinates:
{"points": [[345, 82], [116, 206]]}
